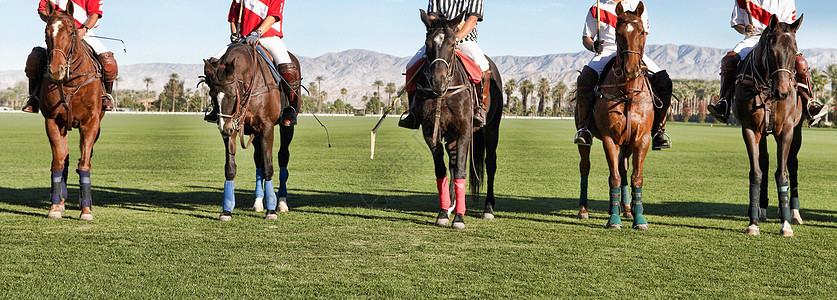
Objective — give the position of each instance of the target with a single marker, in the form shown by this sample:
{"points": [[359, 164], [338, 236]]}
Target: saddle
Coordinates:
{"points": [[268, 59], [473, 70]]}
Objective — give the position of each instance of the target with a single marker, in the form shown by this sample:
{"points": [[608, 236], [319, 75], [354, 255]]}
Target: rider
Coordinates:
{"points": [[262, 21], [466, 39], [750, 18], [87, 14], [605, 49]]}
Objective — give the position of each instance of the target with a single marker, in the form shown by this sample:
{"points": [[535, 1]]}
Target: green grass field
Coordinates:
{"points": [[361, 228]]}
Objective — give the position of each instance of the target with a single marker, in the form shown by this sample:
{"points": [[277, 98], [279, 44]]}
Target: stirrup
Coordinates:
{"points": [[665, 137], [816, 119], [576, 139]]}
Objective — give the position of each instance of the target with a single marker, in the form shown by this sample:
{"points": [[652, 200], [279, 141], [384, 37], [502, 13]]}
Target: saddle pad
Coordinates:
{"points": [[473, 70]]}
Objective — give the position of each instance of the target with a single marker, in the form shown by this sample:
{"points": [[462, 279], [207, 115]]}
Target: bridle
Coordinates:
{"points": [[622, 54], [752, 76], [448, 75], [241, 98], [73, 63]]}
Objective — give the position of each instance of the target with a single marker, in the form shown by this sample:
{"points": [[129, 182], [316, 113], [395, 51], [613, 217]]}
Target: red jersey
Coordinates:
{"points": [[81, 9], [255, 11]]}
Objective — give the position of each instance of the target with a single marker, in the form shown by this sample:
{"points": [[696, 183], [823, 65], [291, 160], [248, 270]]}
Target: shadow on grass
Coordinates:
{"points": [[206, 204]]}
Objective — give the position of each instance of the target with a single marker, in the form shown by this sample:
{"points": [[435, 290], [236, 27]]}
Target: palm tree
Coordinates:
{"points": [[832, 73], [390, 89], [343, 93], [378, 84], [509, 87], [543, 93], [558, 92], [148, 81], [173, 78], [526, 88], [319, 80], [818, 80]]}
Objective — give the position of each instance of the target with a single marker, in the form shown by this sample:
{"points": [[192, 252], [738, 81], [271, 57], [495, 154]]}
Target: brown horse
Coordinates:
{"points": [[251, 103], [623, 113], [766, 103], [70, 94], [446, 99]]}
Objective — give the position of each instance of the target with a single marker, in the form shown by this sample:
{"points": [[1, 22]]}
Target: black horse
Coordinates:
{"points": [[446, 98]]}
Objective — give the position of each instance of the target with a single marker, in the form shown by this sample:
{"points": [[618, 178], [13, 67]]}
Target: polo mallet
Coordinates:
{"points": [[750, 17], [386, 112], [124, 48]]}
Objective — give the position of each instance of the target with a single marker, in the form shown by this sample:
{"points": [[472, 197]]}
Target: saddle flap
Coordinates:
{"points": [[473, 70]]}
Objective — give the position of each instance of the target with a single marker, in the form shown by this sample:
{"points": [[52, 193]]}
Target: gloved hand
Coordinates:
{"points": [[253, 37], [598, 47], [235, 38]]}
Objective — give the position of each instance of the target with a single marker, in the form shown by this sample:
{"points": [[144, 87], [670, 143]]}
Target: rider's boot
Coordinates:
{"points": [[661, 83], [411, 121], [290, 73], [481, 110], [585, 99], [813, 108], [728, 66], [212, 115], [111, 71], [34, 71]]}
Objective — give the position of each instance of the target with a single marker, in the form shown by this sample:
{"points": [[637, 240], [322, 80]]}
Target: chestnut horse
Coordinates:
{"points": [[251, 103], [623, 113], [766, 102], [446, 99], [71, 97]]}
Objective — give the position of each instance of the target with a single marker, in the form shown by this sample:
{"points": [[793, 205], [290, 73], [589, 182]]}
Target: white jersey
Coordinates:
{"points": [[608, 21], [761, 10]]}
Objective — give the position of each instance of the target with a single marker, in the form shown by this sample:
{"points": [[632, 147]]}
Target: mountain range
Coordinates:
{"points": [[356, 70]]}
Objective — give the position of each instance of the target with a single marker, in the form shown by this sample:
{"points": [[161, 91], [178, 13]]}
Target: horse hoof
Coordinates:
{"points": [[786, 229], [641, 227], [458, 225], [271, 215], [583, 215], [753, 229], [86, 217], [628, 215], [258, 206], [54, 215], [283, 205], [443, 222], [225, 216], [796, 219], [488, 216], [614, 226]]}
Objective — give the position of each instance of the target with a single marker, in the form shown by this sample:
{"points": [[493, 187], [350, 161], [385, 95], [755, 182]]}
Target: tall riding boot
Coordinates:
{"points": [[481, 105], [728, 67], [212, 115], [35, 64], [411, 121], [585, 99], [290, 74], [111, 71], [661, 83], [803, 79]]}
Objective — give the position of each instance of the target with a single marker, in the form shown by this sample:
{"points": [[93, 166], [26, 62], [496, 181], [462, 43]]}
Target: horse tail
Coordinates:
{"points": [[477, 169]]}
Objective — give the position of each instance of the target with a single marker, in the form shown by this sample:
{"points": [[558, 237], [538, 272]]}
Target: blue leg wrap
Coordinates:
{"points": [[615, 194], [229, 195], [582, 197], [85, 192], [64, 193], [283, 179], [784, 203], [636, 206], [626, 191], [270, 196], [56, 192], [259, 183]]}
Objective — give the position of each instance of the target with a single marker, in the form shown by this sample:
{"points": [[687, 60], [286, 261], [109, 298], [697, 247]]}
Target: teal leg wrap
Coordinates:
{"points": [[794, 200], [636, 206], [784, 202], [582, 197], [626, 191], [615, 194]]}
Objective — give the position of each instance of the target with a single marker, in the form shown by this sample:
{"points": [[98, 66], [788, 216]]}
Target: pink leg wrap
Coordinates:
{"points": [[459, 186], [444, 192]]}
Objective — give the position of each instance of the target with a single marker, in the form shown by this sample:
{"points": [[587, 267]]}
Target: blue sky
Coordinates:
{"points": [[184, 31]]}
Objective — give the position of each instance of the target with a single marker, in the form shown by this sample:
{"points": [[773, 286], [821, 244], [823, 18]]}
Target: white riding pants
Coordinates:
{"points": [[599, 62], [94, 43], [274, 45], [469, 48], [747, 45]]}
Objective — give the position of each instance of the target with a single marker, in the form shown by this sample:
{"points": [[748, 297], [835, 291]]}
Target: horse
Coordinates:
{"points": [[70, 97], [623, 115], [446, 99], [766, 103], [251, 103]]}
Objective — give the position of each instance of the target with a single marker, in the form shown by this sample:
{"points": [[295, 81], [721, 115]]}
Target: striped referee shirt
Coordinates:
{"points": [[452, 8]]}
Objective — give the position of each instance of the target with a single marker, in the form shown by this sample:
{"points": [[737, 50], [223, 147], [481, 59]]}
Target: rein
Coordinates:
{"points": [[241, 100], [449, 91], [73, 63]]}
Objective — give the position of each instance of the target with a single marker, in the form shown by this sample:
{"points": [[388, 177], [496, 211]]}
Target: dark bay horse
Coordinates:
{"points": [[251, 103], [766, 103], [446, 99], [71, 97], [623, 114]]}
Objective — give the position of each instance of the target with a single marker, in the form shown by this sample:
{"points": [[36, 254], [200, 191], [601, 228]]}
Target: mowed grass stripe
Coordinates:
{"points": [[361, 228]]}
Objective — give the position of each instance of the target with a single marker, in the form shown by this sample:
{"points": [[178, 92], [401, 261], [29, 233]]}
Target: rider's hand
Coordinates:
{"points": [[598, 47], [82, 31], [749, 28], [235, 37], [253, 37]]}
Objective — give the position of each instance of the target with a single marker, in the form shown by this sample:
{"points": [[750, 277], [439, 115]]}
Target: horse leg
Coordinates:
{"points": [[286, 135], [624, 162], [764, 165], [613, 161], [267, 163], [88, 133], [442, 186], [229, 184], [491, 141], [793, 167], [458, 153], [783, 145], [258, 158], [639, 222], [751, 141], [584, 169], [60, 160]]}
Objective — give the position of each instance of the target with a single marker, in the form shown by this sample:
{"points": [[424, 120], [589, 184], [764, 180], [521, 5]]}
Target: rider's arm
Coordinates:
{"points": [[587, 42], [469, 26], [742, 29], [91, 21], [266, 24]]}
